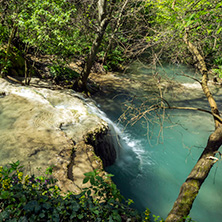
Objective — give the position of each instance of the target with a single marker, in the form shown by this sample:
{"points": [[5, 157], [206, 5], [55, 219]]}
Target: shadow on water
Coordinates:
{"points": [[151, 170]]}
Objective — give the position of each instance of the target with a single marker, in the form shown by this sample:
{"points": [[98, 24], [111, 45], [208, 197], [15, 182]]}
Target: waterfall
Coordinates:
{"points": [[127, 148], [150, 171]]}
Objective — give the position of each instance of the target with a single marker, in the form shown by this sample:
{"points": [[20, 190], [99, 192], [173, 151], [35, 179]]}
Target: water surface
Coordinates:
{"points": [[155, 159]]}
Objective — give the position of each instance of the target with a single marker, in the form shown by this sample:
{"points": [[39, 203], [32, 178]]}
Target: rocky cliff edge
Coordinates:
{"points": [[42, 127]]}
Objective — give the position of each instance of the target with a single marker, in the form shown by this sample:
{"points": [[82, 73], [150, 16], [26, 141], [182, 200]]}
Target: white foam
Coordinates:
{"points": [[195, 85], [126, 143], [29, 94]]}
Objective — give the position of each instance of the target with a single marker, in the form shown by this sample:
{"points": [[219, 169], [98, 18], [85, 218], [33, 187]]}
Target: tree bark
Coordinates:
{"points": [[199, 173], [195, 109], [5, 66], [81, 83], [203, 69], [117, 25]]}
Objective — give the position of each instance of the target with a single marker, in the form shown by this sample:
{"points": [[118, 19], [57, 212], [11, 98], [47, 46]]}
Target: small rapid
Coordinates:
{"points": [[128, 150]]}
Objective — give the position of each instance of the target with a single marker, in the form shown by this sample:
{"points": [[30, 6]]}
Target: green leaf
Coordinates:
{"points": [[92, 181], [117, 217], [96, 212], [209, 31], [109, 175], [189, 23], [219, 30], [80, 216], [89, 192], [111, 219], [85, 180], [5, 194], [49, 170], [42, 215], [73, 215], [32, 206], [23, 219], [75, 207], [192, 16], [90, 174], [46, 206], [4, 215]]}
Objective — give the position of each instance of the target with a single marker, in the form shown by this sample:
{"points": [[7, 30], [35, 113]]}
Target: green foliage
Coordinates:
{"points": [[189, 219], [3, 33], [15, 62], [148, 217], [199, 19], [48, 26], [218, 71], [30, 198], [115, 58], [60, 73], [4, 65], [218, 61], [67, 29], [102, 187], [51, 27], [107, 198]]}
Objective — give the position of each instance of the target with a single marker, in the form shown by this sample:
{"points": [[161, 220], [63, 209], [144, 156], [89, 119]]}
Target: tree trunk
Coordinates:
{"points": [[117, 25], [199, 173], [203, 69], [5, 66], [81, 82]]}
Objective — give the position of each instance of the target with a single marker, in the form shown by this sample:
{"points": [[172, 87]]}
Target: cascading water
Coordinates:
{"points": [[125, 146], [147, 171], [151, 172]]}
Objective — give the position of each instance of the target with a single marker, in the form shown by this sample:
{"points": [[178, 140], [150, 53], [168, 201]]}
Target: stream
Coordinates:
{"points": [[156, 150], [157, 153]]}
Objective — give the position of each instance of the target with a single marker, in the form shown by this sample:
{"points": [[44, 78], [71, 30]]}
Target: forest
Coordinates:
{"points": [[42, 38]]}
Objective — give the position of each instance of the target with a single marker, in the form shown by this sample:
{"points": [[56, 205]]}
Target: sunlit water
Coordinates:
{"points": [[152, 166]]}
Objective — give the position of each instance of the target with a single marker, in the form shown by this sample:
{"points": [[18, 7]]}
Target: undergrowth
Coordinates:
{"points": [[30, 198], [25, 198]]}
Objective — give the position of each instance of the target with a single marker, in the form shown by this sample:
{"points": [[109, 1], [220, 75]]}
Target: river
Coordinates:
{"points": [[158, 151]]}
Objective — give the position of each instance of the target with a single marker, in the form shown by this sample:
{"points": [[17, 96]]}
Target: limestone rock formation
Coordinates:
{"points": [[42, 127]]}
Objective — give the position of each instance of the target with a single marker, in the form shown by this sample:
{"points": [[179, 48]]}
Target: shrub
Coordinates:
{"points": [[60, 73], [30, 198]]}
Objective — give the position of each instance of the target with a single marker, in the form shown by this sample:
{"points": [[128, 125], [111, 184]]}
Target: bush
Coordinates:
{"points": [[60, 73], [30, 198]]}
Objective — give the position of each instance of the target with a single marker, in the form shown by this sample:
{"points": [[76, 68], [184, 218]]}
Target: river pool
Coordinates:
{"points": [[156, 154]]}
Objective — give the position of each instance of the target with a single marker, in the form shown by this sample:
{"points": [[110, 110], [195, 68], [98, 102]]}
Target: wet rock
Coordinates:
{"points": [[103, 142]]}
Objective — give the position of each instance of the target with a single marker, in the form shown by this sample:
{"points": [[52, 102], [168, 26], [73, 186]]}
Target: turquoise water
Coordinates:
{"points": [[152, 165]]}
